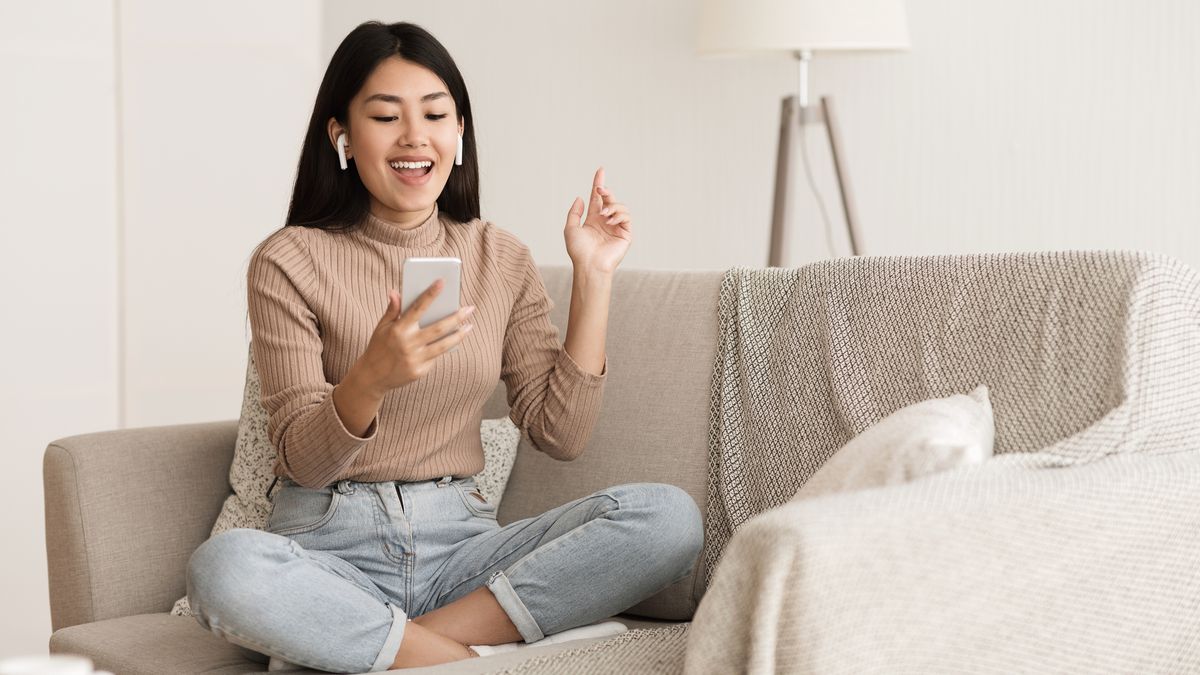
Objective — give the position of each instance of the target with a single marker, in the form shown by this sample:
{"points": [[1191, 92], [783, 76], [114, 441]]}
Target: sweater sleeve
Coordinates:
{"points": [[310, 439], [550, 396]]}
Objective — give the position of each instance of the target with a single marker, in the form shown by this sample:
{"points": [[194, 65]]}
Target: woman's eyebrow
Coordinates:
{"points": [[392, 98]]}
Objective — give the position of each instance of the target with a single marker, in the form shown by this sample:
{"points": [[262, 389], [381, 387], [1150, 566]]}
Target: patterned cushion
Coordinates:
{"points": [[252, 471]]}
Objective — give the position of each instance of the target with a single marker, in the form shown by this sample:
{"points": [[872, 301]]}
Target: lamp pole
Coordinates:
{"points": [[795, 113]]}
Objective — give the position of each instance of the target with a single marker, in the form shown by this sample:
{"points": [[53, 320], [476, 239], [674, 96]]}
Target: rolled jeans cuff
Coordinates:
{"points": [[391, 645], [502, 588]]}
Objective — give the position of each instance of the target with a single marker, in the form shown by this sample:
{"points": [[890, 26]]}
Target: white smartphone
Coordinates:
{"points": [[419, 274]]}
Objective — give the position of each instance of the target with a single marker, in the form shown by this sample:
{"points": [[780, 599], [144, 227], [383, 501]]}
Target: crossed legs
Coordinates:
{"points": [[584, 560]]}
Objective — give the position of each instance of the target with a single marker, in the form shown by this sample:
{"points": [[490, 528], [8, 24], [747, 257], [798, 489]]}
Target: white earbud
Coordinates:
{"points": [[341, 146], [458, 154]]}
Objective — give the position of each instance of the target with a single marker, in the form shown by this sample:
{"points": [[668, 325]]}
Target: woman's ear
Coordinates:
{"points": [[334, 130]]}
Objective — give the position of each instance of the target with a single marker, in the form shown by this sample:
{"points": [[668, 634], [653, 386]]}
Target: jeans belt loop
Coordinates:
{"points": [[344, 487], [444, 481]]}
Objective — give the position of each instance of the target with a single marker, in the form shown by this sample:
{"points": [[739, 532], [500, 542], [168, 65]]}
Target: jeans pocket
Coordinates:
{"points": [[473, 499], [299, 509]]}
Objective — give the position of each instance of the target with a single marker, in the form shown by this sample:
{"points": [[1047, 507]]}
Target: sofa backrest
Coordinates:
{"points": [[653, 424], [147, 497]]}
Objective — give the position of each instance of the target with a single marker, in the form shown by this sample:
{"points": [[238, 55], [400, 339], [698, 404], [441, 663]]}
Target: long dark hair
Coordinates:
{"points": [[329, 198]]}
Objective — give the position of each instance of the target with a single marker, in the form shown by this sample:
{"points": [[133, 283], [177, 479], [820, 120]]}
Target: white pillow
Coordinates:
{"points": [[920, 439], [252, 471]]}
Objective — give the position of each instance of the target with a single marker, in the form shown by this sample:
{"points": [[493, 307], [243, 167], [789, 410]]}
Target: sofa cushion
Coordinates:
{"points": [[916, 440], [152, 644], [653, 421]]}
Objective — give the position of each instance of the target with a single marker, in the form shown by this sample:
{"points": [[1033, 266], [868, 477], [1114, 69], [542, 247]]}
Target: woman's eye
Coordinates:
{"points": [[389, 119]]}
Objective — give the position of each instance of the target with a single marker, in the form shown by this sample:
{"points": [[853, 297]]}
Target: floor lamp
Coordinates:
{"points": [[801, 27]]}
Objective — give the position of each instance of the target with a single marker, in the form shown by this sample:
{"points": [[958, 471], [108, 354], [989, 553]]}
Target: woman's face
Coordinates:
{"points": [[403, 111]]}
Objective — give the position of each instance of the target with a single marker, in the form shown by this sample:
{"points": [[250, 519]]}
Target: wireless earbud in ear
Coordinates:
{"points": [[341, 146]]}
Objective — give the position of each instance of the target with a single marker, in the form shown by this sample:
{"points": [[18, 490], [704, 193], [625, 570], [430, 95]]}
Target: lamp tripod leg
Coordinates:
{"points": [[790, 122], [780, 210], [843, 178]]}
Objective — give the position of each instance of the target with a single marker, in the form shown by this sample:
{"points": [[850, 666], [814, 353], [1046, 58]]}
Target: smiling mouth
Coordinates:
{"points": [[412, 172], [413, 177]]}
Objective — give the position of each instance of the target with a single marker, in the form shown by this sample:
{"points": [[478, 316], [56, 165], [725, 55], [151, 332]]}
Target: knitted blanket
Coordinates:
{"points": [[1074, 549]]}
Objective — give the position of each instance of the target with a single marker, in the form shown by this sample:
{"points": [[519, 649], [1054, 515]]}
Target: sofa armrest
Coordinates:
{"points": [[990, 568], [124, 511]]}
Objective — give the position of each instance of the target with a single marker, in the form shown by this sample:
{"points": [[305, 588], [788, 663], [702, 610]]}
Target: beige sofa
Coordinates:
{"points": [[1074, 550], [126, 508]]}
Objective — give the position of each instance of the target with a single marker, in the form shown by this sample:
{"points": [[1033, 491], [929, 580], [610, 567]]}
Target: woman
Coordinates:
{"points": [[379, 553]]}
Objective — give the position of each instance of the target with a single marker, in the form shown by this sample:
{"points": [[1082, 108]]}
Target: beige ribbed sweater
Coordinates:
{"points": [[315, 297]]}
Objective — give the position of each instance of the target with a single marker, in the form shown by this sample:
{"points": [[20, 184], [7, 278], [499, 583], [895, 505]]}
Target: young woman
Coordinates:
{"points": [[380, 553]]}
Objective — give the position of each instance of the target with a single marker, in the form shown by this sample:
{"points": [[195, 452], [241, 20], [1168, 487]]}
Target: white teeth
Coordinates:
{"points": [[410, 165]]}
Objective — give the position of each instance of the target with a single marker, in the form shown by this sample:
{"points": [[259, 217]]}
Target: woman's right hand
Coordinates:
{"points": [[400, 351]]}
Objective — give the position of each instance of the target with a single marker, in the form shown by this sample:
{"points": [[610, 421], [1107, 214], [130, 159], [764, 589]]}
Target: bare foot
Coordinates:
{"points": [[424, 647]]}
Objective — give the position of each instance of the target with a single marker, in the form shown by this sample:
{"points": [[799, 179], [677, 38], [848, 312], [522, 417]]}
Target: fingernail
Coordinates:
{"points": [[605, 211], [469, 310], [468, 327]]}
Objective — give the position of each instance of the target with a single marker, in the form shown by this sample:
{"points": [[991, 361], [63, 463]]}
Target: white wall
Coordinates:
{"points": [[1015, 125], [126, 271], [560, 88], [216, 99], [1028, 125], [58, 269]]}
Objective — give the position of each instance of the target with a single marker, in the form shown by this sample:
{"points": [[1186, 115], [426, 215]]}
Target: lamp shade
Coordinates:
{"points": [[731, 27]]}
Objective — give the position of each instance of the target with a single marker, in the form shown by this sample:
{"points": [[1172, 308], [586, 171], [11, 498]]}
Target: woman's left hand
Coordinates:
{"points": [[598, 243]]}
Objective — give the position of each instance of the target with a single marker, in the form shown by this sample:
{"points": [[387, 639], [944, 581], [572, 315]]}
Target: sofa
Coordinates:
{"points": [[126, 508], [1072, 550]]}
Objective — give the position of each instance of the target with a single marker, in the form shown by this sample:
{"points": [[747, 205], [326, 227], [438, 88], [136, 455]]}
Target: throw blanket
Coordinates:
{"points": [[1073, 550]]}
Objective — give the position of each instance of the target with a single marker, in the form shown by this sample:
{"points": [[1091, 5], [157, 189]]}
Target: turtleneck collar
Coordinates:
{"points": [[428, 233]]}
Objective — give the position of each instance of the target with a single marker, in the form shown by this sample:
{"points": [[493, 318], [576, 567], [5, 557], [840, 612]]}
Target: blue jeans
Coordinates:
{"points": [[332, 581]]}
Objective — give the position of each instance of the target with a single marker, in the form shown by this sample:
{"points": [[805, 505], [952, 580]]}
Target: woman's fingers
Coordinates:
{"points": [[442, 346], [417, 308], [619, 219], [612, 209], [443, 327], [615, 212]]}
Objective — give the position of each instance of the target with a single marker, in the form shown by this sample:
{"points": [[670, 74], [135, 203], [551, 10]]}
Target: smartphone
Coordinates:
{"points": [[419, 274]]}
